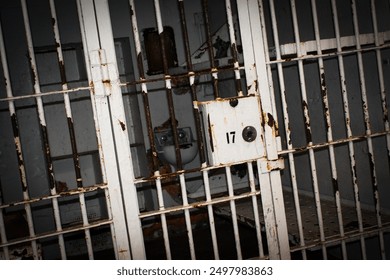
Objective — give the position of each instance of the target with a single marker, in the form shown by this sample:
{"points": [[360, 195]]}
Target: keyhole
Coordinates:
{"points": [[249, 133]]}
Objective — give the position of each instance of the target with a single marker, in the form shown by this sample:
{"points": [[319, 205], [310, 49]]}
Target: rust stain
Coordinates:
{"points": [[122, 124]]}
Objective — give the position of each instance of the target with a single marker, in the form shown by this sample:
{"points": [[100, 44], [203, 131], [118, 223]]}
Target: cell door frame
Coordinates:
{"points": [[111, 127]]}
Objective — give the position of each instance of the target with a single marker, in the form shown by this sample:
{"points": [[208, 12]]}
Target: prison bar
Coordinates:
{"points": [[55, 233], [14, 121], [210, 49], [325, 104], [68, 109], [233, 47], [368, 129], [381, 78], [144, 89], [149, 125], [234, 212], [308, 132], [287, 128], [191, 76], [168, 86], [187, 216], [42, 121]]}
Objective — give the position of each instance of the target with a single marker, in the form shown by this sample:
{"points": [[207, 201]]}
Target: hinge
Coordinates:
{"points": [[101, 73], [267, 166]]}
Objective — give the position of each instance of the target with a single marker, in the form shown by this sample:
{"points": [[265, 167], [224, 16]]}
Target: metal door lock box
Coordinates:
{"points": [[232, 129]]}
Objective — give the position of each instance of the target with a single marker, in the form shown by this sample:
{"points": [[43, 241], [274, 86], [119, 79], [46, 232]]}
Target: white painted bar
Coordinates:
{"points": [[206, 183], [287, 130], [348, 127], [164, 226], [233, 211], [368, 127], [329, 126], [103, 127], [308, 127], [187, 216]]}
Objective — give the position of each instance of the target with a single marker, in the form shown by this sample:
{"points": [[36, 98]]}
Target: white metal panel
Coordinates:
{"points": [[233, 129]]}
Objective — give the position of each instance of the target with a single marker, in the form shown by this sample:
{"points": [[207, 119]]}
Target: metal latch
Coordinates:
{"points": [[267, 166]]}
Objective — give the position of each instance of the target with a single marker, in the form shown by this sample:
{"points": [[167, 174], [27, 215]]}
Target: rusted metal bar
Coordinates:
{"points": [[68, 110], [367, 123], [286, 119], [144, 88], [385, 111], [327, 117], [206, 182], [168, 86], [210, 49], [309, 140], [233, 47], [234, 212], [348, 127], [191, 76], [100, 223]]}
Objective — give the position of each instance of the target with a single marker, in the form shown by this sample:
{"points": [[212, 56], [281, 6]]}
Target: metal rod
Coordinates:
{"points": [[381, 78], [164, 226], [286, 119], [309, 140], [328, 122], [214, 239], [234, 212], [187, 216], [68, 110], [3, 235], [87, 233], [233, 47], [42, 121], [348, 128], [191, 76], [252, 186], [210, 49], [368, 129], [51, 234], [168, 86], [144, 88]]}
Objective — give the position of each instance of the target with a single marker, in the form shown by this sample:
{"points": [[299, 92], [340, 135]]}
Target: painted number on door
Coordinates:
{"points": [[231, 137]]}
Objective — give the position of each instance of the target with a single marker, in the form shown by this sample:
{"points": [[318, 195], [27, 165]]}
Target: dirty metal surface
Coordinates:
{"points": [[245, 215]]}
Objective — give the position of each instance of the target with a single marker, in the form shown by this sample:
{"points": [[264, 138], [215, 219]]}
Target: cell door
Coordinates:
{"points": [[61, 189]]}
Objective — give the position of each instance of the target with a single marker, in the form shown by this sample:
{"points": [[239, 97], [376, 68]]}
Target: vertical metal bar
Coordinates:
{"points": [[308, 128], [91, 44], [191, 76], [144, 89], [381, 78], [233, 47], [86, 223], [64, 83], [42, 122], [252, 186], [214, 70], [286, 119], [187, 216], [234, 212], [368, 127], [119, 127], [324, 93], [3, 235], [164, 226], [348, 127], [270, 183], [168, 86], [206, 183]]}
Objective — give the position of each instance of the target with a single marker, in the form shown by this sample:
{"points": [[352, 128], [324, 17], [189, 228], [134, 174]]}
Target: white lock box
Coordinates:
{"points": [[232, 129]]}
